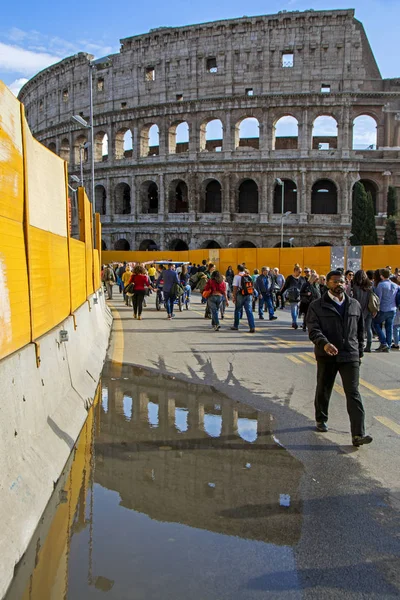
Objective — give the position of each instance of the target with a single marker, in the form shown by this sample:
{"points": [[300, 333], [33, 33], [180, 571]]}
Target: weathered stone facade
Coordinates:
{"points": [[222, 190]]}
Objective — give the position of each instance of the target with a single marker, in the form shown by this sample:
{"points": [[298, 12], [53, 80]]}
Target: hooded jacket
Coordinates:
{"points": [[325, 325]]}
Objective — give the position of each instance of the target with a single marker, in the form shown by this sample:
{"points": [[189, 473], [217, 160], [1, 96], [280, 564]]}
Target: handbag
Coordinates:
{"points": [[373, 303], [206, 294], [130, 288]]}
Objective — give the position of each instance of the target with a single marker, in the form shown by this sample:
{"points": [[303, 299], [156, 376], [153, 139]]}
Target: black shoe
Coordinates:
{"points": [[360, 440], [322, 427], [367, 348], [252, 331], [382, 348], [304, 328], [235, 328], [295, 326], [273, 318], [394, 347], [261, 317]]}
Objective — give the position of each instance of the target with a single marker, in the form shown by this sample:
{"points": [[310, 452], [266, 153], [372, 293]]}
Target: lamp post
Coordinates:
{"points": [[281, 183]]}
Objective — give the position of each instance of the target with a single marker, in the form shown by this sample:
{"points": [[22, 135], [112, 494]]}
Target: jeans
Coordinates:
{"points": [[396, 334], [214, 303], [350, 374], [294, 310], [169, 301], [265, 299], [138, 298], [387, 319], [243, 302], [368, 328]]}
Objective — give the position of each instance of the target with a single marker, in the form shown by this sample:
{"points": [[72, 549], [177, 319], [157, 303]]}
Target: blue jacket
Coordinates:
{"points": [[386, 292], [264, 284]]}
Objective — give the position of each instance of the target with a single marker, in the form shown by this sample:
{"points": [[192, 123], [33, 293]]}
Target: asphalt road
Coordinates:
{"points": [[350, 539]]}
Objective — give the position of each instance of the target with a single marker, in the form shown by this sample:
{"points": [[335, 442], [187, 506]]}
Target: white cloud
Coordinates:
{"points": [[16, 85], [24, 62]]}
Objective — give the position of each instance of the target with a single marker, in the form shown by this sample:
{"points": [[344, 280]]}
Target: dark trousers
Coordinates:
{"points": [[350, 374], [169, 301], [280, 296], [138, 298]]}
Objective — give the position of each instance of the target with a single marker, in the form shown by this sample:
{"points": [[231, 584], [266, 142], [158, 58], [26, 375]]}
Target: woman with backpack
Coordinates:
{"points": [[362, 291], [308, 293], [292, 289]]}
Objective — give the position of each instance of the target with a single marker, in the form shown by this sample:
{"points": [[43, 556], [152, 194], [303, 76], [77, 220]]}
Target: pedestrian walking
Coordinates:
{"points": [[386, 291], [279, 283], [242, 298], [264, 286], [125, 280], [336, 328], [216, 292], [362, 292], [292, 289], [109, 280], [141, 284], [170, 279], [308, 293]]}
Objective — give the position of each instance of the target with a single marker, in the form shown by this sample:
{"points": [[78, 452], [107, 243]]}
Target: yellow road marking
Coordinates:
{"points": [[295, 360], [119, 343], [387, 394], [308, 358], [389, 423], [338, 388]]}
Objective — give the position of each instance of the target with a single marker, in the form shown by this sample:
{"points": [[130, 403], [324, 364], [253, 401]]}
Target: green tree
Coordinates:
{"points": [[363, 218], [390, 232], [391, 201]]}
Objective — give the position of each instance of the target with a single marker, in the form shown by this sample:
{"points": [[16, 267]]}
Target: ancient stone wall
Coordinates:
{"points": [[180, 81]]}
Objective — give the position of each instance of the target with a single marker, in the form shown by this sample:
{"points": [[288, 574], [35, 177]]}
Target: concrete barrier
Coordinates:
{"points": [[43, 409]]}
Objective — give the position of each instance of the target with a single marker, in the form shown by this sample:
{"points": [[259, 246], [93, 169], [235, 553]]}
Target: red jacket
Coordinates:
{"points": [[140, 281]]}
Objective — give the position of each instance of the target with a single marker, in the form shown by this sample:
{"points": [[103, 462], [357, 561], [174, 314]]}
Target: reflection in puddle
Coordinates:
{"points": [[180, 492]]}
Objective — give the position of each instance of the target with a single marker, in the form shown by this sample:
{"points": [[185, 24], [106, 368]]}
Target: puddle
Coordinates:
{"points": [[174, 492]]}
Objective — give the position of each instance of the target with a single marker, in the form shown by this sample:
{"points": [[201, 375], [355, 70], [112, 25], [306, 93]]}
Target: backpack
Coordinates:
{"points": [[246, 285], [293, 294], [373, 303], [397, 299]]}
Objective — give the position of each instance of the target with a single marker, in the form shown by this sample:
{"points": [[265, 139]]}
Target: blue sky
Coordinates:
{"points": [[35, 35]]}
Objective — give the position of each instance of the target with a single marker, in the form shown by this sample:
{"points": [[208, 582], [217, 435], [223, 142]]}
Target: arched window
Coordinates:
{"points": [[100, 146], [122, 199], [286, 134], [324, 133], [324, 198], [178, 245], [150, 141], [149, 197], [100, 197], [247, 134], [52, 147], [178, 138], [80, 149], [289, 199], [210, 245], [211, 136], [178, 197], [364, 133], [248, 196], [246, 244], [65, 149], [123, 144], [372, 189], [213, 196], [323, 244], [122, 244], [148, 245]]}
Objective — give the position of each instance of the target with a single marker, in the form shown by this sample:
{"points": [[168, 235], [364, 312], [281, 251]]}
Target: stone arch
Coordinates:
{"points": [[52, 147], [210, 245], [247, 133], [65, 149], [178, 138], [100, 195], [286, 133], [323, 244], [123, 143], [246, 244], [150, 140], [122, 244], [365, 133], [212, 196], [290, 197], [149, 197], [248, 196], [122, 199], [211, 135], [148, 244], [178, 245], [103, 245], [80, 146], [370, 187], [178, 196], [100, 146], [324, 133], [324, 197], [285, 245]]}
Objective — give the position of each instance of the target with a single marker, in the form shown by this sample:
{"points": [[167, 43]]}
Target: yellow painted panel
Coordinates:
{"points": [[49, 277], [288, 258], [249, 257], [267, 257], [45, 185], [77, 270], [15, 327], [96, 269], [197, 256], [228, 258], [377, 257], [320, 255], [11, 159]]}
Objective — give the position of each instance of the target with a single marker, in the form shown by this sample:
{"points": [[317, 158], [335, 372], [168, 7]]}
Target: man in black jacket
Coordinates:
{"points": [[336, 328]]}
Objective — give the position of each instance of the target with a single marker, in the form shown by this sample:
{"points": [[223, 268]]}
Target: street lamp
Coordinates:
{"points": [[281, 183]]}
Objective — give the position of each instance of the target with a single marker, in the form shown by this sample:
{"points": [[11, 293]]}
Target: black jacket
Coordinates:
{"points": [[261, 287], [325, 325]]}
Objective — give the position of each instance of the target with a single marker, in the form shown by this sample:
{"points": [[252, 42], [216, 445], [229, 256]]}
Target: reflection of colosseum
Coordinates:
{"points": [[178, 452], [176, 155]]}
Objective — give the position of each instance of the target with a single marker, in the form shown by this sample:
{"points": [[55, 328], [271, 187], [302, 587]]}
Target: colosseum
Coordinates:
{"points": [[212, 135]]}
